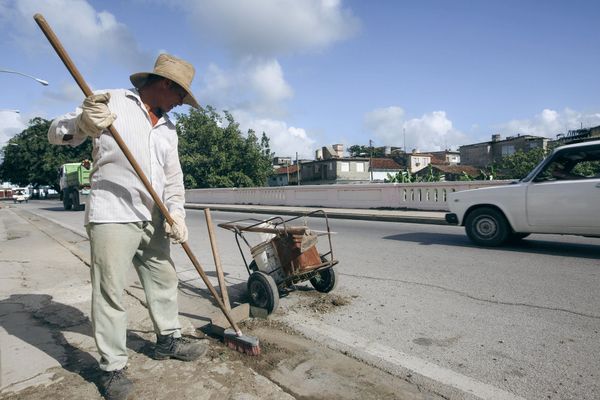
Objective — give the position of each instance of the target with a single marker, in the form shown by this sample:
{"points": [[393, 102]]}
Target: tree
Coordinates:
{"points": [[30, 159], [519, 164], [214, 153], [359, 150], [405, 176], [266, 146]]}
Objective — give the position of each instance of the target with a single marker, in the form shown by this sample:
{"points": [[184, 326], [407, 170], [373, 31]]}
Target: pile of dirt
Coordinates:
{"points": [[321, 303]]}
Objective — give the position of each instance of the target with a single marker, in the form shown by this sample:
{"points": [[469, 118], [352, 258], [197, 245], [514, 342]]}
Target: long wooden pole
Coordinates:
{"points": [[217, 258], [64, 56]]}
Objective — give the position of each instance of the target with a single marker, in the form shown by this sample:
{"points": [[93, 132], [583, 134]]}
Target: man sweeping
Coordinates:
{"points": [[123, 223]]}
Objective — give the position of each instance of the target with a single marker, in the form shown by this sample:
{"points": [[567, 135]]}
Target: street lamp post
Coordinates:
{"points": [[41, 81]]}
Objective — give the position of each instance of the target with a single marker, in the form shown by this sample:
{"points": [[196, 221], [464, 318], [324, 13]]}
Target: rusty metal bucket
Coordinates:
{"points": [[297, 253]]}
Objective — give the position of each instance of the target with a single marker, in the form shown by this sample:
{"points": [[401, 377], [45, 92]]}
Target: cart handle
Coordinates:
{"points": [[295, 230]]}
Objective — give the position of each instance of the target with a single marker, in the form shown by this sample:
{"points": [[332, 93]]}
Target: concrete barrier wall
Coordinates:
{"points": [[417, 196]]}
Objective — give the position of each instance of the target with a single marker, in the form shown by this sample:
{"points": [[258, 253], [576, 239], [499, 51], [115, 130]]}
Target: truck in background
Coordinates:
{"points": [[74, 182]]}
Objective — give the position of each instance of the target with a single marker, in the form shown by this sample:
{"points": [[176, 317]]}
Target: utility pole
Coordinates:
{"points": [[298, 169], [371, 159]]}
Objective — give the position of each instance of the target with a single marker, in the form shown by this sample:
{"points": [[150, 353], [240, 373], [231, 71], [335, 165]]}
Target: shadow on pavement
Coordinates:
{"points": [[54, 209], [532, 246], [42, 323], [237, 295], [236, 292]]}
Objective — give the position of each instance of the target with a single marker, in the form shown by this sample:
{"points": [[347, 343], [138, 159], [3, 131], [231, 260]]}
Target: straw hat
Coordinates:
{"points": [[173, 68]]}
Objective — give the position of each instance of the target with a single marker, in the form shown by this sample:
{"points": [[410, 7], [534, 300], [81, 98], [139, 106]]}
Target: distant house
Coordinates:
{"points": [[486, 153], [330, 167], [445, 157], [335, 170], [381, 167], [282, 161], [417, 161], [284, 176], [450, 172]]}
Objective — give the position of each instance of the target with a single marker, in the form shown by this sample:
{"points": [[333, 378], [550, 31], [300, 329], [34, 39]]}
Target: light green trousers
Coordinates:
{"points": [[114, 248]]}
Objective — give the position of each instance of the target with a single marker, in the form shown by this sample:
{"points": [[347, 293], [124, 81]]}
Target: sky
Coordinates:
{"points": [[426, 75]]}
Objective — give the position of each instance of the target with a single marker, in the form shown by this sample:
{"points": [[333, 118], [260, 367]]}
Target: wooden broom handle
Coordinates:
{"points": [[64, 56], [217, 258]]}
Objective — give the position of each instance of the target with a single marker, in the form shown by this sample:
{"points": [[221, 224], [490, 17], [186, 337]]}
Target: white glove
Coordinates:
{"points": [[95, 116], [178, 232]]}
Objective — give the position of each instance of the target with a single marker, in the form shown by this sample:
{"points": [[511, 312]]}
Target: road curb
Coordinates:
{"points": [[439, 380]]}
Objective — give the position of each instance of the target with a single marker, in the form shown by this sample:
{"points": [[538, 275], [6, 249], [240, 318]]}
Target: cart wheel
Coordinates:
{"points": [[263, 291], [324, 281], [253, 267]]}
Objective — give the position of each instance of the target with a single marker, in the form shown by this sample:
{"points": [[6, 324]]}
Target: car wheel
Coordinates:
{"points": [[487, 226]]}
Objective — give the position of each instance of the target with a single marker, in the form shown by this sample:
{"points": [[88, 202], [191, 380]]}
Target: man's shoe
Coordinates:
{"points": [[115, 385], [168, 346]]}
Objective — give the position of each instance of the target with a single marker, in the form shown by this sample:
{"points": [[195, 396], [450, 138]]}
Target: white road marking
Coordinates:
{"points": [[442, 380]]}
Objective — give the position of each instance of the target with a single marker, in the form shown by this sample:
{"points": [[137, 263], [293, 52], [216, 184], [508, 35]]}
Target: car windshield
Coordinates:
{"points": [[533, 172]]}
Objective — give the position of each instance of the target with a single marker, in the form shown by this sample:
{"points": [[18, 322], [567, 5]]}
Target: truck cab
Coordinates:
{"points": [[74, 182]]}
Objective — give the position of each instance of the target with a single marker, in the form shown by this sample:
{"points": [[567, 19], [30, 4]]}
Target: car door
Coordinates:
{"points": [[565, 195]]}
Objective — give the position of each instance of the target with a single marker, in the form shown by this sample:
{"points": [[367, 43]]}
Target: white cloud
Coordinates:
{"points": [[255, 32], [254, 85], [386, 123], [435, 131], [271, 27], [284, 140], [267, 80], [432, 131], [11, 123], [90, 35], [549, 123]]}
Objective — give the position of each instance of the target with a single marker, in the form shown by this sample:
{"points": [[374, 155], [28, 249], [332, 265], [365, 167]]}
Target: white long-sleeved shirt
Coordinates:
{"points": [[117, 193]]}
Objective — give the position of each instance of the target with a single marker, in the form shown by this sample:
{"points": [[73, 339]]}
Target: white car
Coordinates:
{"points": [[561, 195], [20, 195]]}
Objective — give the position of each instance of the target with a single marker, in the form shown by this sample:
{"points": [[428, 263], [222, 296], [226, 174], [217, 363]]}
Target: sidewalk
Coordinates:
{"points": [[410, 216], [47, 351], [46, 346]]}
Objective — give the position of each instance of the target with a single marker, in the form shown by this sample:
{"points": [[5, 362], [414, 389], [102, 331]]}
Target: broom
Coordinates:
{"points": [[233, 338]]}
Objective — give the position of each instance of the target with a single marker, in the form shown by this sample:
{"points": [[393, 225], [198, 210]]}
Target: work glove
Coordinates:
{"points": [[95, 116], [178, 232]]}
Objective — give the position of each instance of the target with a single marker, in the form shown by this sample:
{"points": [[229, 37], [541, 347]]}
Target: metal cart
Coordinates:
{"points": [[285, 255]]}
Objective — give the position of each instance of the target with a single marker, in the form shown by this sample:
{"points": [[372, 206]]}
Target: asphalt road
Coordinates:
{"points": [[522, 320]]}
